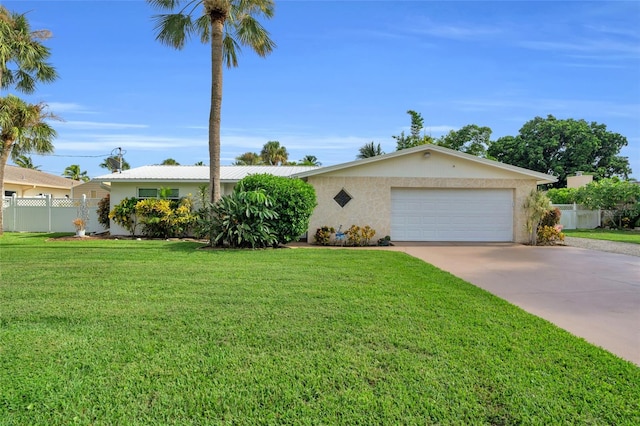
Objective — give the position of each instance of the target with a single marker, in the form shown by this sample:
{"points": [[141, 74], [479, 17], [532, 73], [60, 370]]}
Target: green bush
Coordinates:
{"points": [[162, 218], [293, 201], [124, 214], [551, 218], [243, 219], [103, 211], [563, 195], [323, 235]]}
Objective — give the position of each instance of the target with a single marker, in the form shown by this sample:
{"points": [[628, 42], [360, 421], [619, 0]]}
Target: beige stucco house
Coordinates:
{"points": [[25, 182], [426, 193]]}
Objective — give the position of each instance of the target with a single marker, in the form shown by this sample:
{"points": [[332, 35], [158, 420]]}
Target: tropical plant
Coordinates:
{"points": [[244, 219], [274, 154], [163, 218], [169, 162], [248, 159], [25, 162], [323, 235], [369, 150], [74, 172], [124, 214], [536, 205], [309, 160], [226, 25], [293, 199], [22, 55], [103, 211], [23, 129], [112, 163], [79, 223]]}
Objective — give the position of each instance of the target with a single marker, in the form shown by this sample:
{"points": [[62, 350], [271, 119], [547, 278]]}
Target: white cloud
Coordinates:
{"points": [[91, 125]]}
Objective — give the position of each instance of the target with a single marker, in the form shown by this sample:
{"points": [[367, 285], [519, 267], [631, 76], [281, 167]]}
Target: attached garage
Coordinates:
{"points": [[451, 214], [426, 193]]}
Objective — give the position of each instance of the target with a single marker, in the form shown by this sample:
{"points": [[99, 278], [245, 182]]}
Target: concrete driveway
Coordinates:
{"points": [[592, 294]]}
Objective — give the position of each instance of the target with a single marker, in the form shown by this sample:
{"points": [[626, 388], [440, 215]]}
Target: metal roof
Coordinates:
{"points": [[198, 173]]}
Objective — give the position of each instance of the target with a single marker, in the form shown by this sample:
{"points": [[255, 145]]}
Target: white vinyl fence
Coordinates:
{"points": [[575, 216], [48, 214]]}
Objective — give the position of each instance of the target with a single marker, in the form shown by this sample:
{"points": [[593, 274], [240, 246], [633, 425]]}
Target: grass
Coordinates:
{"points": [[156, 332], [622, 236]]}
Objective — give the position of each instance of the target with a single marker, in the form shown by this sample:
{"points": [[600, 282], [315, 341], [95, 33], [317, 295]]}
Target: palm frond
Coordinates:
{"points": [[251, 33], [173, 29], [230, 50]]}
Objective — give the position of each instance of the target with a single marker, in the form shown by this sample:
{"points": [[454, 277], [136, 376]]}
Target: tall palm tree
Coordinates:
{"points": [[74, 172], [274, 154], [309, 160], [22, 55], [23, 129], [248, 159], [226, 25], [369, 150], [25, 162]]}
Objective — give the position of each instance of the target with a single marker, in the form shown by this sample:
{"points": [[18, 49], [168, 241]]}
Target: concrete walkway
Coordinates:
{"points": [[592, 294]]}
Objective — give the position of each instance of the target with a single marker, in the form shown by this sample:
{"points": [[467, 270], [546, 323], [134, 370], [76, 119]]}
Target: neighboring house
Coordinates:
{"points": [[146, 181], [92, 189], [33, 183], [426, 193]]}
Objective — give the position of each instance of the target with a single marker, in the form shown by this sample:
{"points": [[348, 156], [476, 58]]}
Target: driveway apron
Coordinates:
{"points": [[592, 294]]}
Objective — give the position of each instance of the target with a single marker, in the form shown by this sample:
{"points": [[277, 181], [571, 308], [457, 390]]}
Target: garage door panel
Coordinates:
{"points": [[451, 214]]}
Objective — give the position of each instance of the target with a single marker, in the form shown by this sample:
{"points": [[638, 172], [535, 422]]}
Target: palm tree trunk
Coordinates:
{"points": [[216, 107], [4, 157]]}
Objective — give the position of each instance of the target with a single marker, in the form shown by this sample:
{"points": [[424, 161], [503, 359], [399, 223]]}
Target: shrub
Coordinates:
{"points": [[323, 235], [103, 211], [243, 219], [551, 217], [563, 195], [124, 214], [293, 201], [354, 236], [162, 218], [550, 235]]}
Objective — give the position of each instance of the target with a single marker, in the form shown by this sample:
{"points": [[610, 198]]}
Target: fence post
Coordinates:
{"points": [[14, 207], [49, 210]]}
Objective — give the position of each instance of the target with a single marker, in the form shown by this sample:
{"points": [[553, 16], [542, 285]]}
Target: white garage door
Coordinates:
{"points": [[451, 214]]}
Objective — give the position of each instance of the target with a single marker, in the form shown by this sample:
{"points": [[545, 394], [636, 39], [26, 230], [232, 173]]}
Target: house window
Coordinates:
{"points": [[9, 193], [173, 194], [342, 198]]}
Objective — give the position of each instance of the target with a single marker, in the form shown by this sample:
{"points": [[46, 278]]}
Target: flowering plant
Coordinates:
{"points": [[79, 223]]}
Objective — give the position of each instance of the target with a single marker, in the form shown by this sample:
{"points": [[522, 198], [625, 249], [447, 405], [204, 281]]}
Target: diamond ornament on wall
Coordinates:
{"points": [[342, 198]]}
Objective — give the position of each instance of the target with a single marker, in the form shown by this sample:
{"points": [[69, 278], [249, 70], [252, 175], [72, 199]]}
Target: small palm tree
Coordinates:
{"points": [[25, 162], [369, 150], [226, 25], [74, 172], [169, 162], [274, 154], [248, 159], [309, 160], [23, 129]]}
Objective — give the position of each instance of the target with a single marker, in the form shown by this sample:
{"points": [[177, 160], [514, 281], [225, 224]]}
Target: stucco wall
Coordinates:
{"points": [[371, 202]]}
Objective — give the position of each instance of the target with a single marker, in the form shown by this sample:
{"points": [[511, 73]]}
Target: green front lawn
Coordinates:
{"points": [[623, 236], [156, 332]]}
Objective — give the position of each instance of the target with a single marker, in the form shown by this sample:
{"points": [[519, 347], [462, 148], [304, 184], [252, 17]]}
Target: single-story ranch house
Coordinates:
{"points": [[23, 182], [426, 193]]}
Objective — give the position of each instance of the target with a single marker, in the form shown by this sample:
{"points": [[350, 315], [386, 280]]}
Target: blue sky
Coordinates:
{"points": [[344, 74]]}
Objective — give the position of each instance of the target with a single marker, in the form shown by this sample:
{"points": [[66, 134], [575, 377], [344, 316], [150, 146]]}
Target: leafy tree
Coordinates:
{"points": [[22, 55], [564, 147], [471, 139], [617, 198], [293, 200], [226, 25], [248, 159], [23, 129], [112, 163], [74, 172], [25, 162], [415, 138], [274, 154], [169, 162], [369, 150], [309, 160]]}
